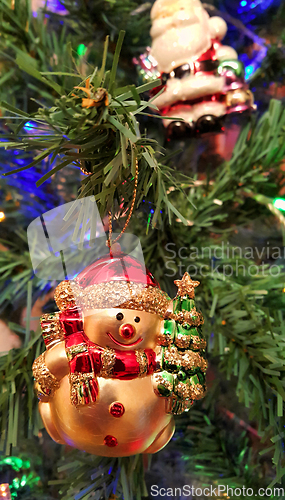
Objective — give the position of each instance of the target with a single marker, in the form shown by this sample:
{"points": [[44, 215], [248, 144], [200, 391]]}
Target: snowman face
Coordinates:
{"points": [[122, 329]]}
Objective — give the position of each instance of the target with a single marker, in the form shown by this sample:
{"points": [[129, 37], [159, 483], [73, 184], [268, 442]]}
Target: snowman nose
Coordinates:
{"points": [[127, 331]]}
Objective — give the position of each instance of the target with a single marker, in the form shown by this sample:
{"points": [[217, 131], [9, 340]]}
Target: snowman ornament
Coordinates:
{"points": [[202, 79], [121, 359]]}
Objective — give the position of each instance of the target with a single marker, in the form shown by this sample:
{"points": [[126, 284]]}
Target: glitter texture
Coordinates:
{"points": [[189, 360], [63, 296], [193, 317], [72, 351], [51, 329], [108, 362], [119, 294], [182, 390], [198, 343], [142, 362], [160, 380], [196, 392], [186, 286], [47, 382], [164, 339]]}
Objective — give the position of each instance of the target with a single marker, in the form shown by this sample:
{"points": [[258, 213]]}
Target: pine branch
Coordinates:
{"points": [[243, 318], [244, 313], [94, 127], [122, 477], [95, 17], [36, 43]]}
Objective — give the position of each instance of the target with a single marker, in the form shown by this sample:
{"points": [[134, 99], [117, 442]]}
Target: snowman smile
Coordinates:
{"points": [[122, 344]]}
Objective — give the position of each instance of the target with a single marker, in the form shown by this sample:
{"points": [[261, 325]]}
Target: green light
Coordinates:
{"points": [[16, 483], [24, 480], [148, 223], [15, 462], [279, 203], [81, 50]]}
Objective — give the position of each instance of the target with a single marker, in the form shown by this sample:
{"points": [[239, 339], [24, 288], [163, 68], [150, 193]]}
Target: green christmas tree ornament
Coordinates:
{"points": [[182, 351]]}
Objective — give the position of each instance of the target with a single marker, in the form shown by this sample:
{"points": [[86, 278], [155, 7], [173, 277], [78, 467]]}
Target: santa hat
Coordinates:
{"points": [[120, 281]]}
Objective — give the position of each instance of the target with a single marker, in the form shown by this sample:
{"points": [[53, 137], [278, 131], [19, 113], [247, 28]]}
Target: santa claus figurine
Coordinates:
{"points": [[203, 80], [121, 359]]}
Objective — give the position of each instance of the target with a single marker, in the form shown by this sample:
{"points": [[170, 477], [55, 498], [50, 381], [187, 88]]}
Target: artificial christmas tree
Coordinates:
{"points": [[183, 379], [223, 227]]}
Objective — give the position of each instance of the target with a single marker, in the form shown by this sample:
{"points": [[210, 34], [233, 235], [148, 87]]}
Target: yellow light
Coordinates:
{"points": [[283, 290], [2, 216], [5, 491]]}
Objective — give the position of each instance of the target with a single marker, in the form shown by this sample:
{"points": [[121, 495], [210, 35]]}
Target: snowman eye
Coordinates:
{"points": [[120, 316], [137, 319]]}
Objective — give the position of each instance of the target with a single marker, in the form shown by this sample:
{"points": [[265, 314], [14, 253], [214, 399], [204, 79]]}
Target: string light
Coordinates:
{"points": [[5, 491], [279, 203], [81, 49], [246, 6], [2, 216], [23, 480], [29, 126]]}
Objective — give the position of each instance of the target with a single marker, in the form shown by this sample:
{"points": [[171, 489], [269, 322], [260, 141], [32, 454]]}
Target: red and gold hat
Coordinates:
{"points": [[121, 282]]}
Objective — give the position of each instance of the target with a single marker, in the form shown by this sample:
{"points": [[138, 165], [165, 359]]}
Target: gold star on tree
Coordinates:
{"points": [[186, 286]]}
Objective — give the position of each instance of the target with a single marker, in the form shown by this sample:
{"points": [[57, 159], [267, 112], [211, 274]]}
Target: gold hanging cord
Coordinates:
{"points": [[110, 242]]}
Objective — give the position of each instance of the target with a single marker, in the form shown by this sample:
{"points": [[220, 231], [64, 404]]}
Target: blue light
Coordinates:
{"points": [[55, 6], [29, 126], [23, 187], [152, 211], [250, 9], [249, 70]]}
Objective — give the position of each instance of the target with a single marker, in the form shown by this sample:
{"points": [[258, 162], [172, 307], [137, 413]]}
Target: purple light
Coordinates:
{"points": [[50, 5]]}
